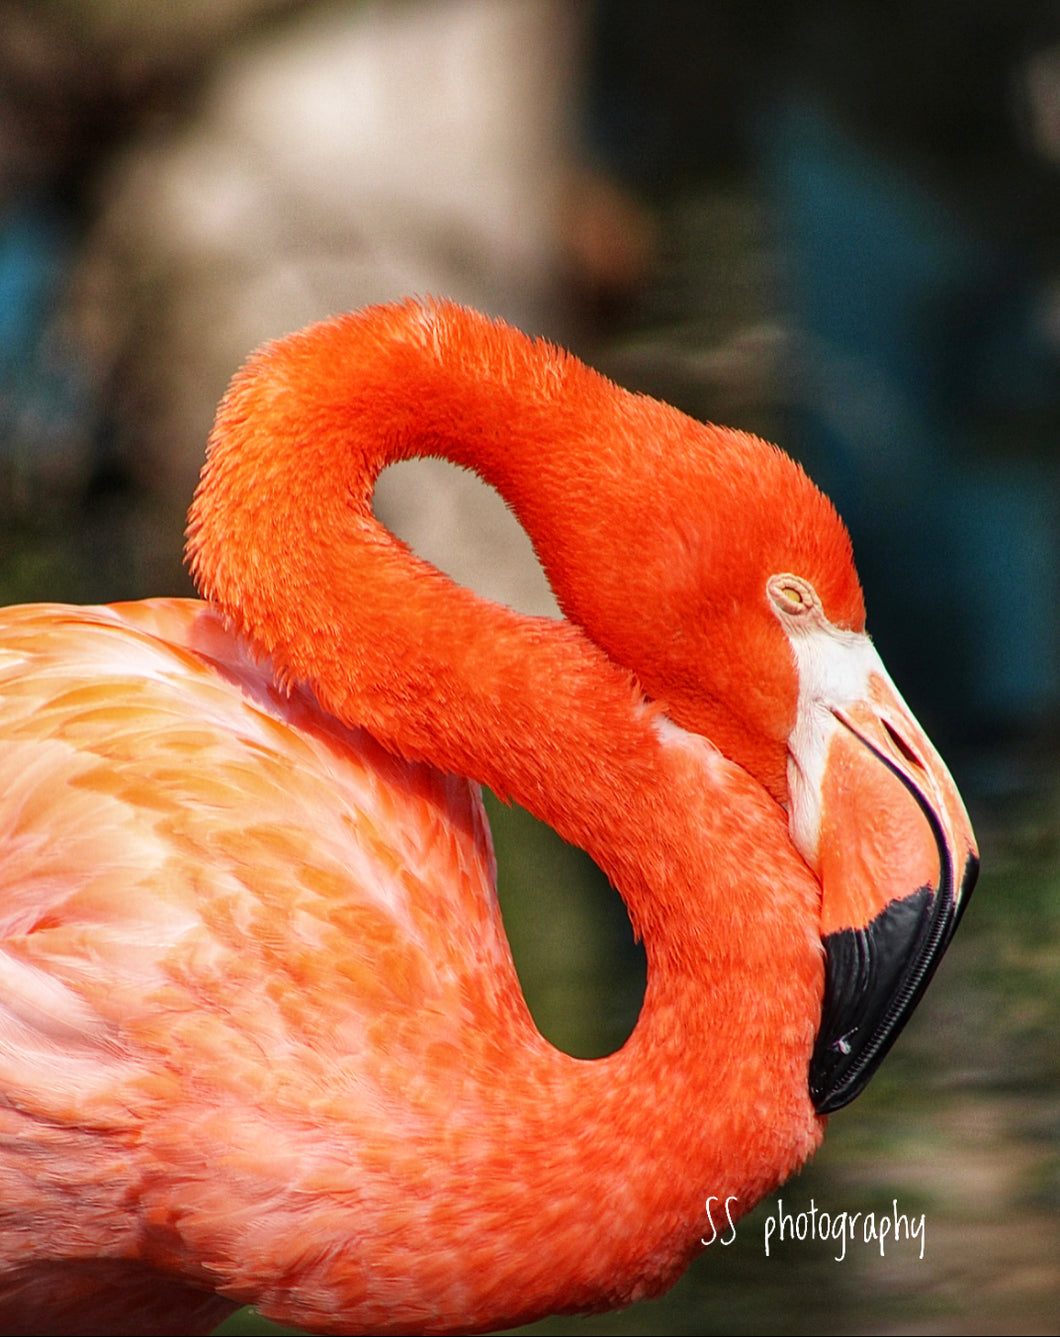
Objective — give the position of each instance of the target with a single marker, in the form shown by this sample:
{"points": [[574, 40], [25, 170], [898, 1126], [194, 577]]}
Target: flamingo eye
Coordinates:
{"points": [[791, 595]]}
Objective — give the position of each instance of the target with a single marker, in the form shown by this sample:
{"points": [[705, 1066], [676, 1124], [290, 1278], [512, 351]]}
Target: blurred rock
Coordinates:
{"points": [[351, 154]]}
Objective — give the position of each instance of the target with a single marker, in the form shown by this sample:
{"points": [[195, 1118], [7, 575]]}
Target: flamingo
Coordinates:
{"points": [[261, 1036]]}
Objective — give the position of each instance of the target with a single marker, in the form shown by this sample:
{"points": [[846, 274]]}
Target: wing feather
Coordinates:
{"points": [[218, 908]]}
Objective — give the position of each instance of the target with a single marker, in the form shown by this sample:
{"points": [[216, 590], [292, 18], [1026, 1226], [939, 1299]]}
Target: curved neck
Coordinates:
{"points": [[641, 518], [282, 537]]}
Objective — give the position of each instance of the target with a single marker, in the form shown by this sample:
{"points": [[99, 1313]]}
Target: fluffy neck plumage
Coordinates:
{"points": [[282, 538]]}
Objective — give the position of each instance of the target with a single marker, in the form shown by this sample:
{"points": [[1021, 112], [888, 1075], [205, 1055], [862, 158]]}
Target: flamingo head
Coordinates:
{"points": [[739, 609]]}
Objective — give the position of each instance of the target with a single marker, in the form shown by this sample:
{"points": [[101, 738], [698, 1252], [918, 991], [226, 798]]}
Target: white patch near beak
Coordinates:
{"points": [[835, 671]]}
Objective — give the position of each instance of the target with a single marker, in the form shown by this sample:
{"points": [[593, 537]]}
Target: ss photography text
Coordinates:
{"points": [[840, 1228]]}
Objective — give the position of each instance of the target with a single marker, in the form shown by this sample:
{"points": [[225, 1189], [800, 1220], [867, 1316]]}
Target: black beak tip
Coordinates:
{"points": [[874, 979]]}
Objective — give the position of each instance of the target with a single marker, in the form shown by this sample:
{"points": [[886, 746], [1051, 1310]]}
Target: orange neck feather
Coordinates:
{"points": [[282, 537]]}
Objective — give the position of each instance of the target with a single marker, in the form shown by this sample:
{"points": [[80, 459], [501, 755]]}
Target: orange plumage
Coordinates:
{"points": [[261, 1037]]}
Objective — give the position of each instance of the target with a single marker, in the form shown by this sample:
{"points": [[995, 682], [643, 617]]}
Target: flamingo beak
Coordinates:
{"points": [[897, 861]]}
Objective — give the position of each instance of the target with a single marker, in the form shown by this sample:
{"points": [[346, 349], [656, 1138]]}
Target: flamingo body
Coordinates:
{"points": [[261, 1036]]}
